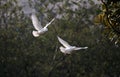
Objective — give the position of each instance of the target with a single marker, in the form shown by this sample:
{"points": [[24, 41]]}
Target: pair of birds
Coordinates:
{"points": [[67, 49]]}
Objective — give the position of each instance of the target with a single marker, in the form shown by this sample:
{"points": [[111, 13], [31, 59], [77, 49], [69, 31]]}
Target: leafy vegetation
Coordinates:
{"points": [[22, 55], [110, 19]]}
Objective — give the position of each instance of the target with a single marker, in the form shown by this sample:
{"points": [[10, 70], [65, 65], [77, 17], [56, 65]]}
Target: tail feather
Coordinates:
{"points": [[35, 33], [84, 47], [81, 48]]}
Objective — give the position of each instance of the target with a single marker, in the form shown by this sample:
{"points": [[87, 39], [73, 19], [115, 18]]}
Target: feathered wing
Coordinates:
{"points": [[64, 43], [36, 23], [78, 48], [49, 22]]}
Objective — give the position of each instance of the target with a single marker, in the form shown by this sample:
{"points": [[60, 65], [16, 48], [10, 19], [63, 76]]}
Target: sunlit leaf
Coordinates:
{"points": [[99, 19]]}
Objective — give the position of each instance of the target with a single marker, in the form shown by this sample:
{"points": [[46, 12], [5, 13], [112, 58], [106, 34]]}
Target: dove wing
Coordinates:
{"points": [[49, 22], [36, 23], [64, 43]]}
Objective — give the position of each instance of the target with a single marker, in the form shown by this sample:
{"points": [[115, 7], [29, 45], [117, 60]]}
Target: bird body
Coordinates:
{"points": [[68, 49], [37, 25], [37, 33]]}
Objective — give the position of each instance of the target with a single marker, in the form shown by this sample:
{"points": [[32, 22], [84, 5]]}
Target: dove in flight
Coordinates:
{"points": [[37, 25], [67, 49]]}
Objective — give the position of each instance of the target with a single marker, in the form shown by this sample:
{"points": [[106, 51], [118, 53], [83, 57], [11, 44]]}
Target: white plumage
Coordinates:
{"points": [[37, 25], [67, 49]]}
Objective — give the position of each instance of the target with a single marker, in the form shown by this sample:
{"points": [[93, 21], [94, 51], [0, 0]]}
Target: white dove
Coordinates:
{"points": [[67, 49], [37, 25]]}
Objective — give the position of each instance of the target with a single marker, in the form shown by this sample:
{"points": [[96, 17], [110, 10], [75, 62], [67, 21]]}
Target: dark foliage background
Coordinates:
{"points": [[22, 55]]}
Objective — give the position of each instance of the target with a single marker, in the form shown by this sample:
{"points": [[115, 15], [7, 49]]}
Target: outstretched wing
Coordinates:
{"points": [[49, 22], [36, 23], [64, 43]]}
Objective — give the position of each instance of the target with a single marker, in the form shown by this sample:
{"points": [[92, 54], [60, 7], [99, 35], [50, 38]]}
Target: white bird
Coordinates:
{"points": [[67, 49], [37, 25]]}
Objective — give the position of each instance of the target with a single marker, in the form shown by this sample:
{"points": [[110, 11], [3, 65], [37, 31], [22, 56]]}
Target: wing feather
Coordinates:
{"points": [[64, 43], [49, 22], [36, 23]]}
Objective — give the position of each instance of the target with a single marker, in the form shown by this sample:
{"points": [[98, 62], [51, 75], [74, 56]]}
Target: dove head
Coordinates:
{"points": [[35, 33], [62, 49]]}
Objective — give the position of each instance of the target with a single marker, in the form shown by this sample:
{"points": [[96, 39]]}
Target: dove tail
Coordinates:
{"points": [[79, 48], [35, 33], [84, 47]]}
